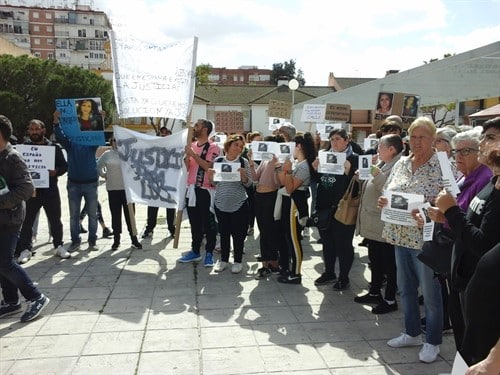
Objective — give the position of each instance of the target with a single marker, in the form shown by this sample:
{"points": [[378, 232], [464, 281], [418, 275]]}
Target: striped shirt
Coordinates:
{"points": [[231, 195]]}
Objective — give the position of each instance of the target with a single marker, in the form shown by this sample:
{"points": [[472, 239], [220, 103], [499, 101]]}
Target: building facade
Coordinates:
{"points": [[73, 36]]}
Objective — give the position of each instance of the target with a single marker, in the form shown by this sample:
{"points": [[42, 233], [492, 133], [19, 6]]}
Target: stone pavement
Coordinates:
{"points": [[139, 312]]}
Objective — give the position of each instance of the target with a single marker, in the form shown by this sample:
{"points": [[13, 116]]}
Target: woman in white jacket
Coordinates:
{"points": [[369, 226]]}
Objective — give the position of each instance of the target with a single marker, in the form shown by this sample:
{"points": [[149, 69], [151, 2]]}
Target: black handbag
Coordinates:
{"points": [[436, 254]]}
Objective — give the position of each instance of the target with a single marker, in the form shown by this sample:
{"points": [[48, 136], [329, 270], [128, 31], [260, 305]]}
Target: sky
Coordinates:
{"points": [[354, 38]]}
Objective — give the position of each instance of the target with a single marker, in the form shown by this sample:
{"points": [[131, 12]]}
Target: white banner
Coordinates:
{"points": [[153, 80], [153, 167], [313, 113]]}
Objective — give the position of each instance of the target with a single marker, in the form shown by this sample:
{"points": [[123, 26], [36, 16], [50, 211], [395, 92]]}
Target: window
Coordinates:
{"points": [[48, 16], [18, 29], [37, 54], [49, 29], [36, 41], [50, 41], [36, 28], [82, 33], [91, 21], [36, 15], [50, 56]]}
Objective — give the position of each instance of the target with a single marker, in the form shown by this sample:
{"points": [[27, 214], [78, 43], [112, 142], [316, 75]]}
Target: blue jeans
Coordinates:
{"points": [[12, 275], [75, 194], [412, 273]]}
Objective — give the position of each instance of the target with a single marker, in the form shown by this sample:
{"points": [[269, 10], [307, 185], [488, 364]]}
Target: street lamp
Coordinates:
{"points": [[293, 85]]}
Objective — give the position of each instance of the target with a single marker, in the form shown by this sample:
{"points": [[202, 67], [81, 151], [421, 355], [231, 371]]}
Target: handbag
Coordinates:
{"points": [[436, 254], [347, 209]]}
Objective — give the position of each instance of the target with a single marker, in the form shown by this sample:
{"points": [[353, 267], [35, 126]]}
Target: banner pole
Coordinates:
{"points": [[178, 219]]}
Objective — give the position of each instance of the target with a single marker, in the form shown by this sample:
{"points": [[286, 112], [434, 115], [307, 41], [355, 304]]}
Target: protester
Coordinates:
{"points": [[251, 137], [15, 188], [109, 167], [370, 226], [230, 204], [82, 183], [199, 158], [336, 237], [48, 198], [476, 231], [153, 211], [106, 232], [295, 180], [420, 173]]}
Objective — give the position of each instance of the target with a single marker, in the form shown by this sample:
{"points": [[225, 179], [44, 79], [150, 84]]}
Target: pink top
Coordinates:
{"points": [[212, 153], [265, 175]]}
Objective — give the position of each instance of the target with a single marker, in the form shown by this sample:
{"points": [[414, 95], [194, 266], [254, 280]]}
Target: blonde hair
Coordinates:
{"points": [[423, 122]]}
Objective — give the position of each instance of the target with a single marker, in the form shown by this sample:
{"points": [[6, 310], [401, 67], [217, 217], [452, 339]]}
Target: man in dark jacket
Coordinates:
{"points": [[15, 188], [48, 198]]}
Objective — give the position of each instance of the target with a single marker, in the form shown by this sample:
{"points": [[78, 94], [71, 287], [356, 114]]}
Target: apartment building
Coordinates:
{"points": [[74, 36]]}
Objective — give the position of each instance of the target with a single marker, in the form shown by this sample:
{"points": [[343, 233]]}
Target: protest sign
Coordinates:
{"points": [[399, 208], [39, 160], [81, 120], [152, 79], [153, 168], [225, 171], [279, 109], [313, 113], [331, 162], [338, 112]]}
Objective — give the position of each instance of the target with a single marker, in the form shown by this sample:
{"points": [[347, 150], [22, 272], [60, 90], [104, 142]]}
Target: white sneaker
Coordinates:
{"points": [[220, 266], [306, 232], [61, 252], [428, 353], [405, 340], [236, 268], [24, 256]]}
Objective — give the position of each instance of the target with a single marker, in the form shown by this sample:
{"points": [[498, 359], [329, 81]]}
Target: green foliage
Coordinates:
{"points": [[30, 86], [286, 71], [202, 73], [442, 110]]}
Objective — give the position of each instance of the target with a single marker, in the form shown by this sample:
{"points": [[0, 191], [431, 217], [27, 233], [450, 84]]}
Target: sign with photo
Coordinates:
{"points": [[404, 105], [370, 143], [275, 123], [399, 207], [365, 164], [331, 162], [324, 130], [39, 160], [225, 171], [82, 121]]}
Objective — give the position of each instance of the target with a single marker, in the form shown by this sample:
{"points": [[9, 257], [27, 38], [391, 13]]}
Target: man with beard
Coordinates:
{"points": [[48, 198], [199, 158]]}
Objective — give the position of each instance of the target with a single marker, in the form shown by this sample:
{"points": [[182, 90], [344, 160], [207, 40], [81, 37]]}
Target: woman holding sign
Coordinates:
{"points": [[419, 173], [231, 206]]}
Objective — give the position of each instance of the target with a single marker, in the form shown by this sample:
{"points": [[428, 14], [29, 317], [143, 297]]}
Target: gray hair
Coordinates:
{"points": [[472, 136]]}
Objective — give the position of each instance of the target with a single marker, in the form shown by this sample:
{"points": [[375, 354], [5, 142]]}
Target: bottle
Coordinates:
{"points": [[4, 189]]}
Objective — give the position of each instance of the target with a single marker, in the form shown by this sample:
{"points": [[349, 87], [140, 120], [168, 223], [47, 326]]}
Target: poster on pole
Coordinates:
{"points": [[40, 160], [313, 113], [279, 109], [152, 79], [82, 121], [153, 167]]}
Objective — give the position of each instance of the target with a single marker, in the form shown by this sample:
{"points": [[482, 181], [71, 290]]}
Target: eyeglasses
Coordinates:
{"points": [[464, 151]]}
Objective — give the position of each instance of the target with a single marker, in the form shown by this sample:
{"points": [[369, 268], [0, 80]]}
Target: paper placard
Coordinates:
{"points": [[365, 164], [399, 207], [338, 112], [39, 160], [325, 129], [428, 223], [275, 123], [370, 143], [331, 162], [225, 171], [220, 139], [279, 109], [450, 184], [313, 113]]}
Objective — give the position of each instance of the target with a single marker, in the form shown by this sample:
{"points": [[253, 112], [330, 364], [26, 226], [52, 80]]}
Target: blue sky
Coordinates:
{"points": [[360, 38]]}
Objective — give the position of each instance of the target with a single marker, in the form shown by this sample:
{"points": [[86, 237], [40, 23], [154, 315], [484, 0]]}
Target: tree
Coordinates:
{"points": [[286, 71], [442, 110], [29, 87]]}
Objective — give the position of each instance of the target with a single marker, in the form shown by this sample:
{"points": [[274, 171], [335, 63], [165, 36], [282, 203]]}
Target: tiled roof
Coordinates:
{"points": [[345, 83], [246, 95]]}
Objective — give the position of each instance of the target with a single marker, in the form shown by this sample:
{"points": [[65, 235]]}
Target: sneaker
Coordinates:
{"points": [[220, 266], [384, 307], [369, 298], [209, 260], [93, 247], [236, 268], [404, 340], [250, 231], [274, 270], [35, 308], [74, 247], [135, 243], [290, 279], [61, 252], [306, 232], [428, 353], [325, 279], [262, 273], [7, 309], [147, 233], [106, 233], [191, 256], [341, 285], [24, 256]]}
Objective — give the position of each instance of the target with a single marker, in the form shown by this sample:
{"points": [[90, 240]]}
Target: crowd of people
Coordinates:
{"points": [[282, 196]]}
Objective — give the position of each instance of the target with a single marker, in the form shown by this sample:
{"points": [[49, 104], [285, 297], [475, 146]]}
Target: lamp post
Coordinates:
{"points": [[293, 85]]}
